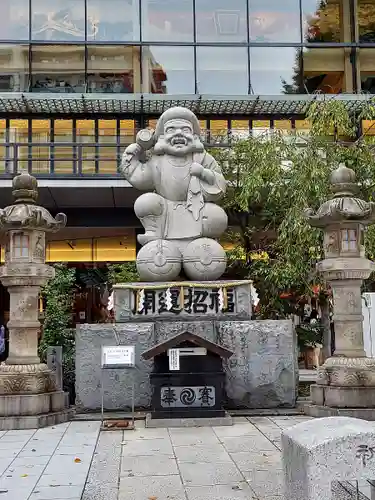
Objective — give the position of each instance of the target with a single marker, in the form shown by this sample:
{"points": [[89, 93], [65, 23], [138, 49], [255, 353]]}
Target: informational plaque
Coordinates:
{"points": [[174, 359], [120, 356]]}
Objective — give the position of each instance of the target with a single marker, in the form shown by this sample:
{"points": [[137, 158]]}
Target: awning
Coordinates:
{"points": [[155, 104]]}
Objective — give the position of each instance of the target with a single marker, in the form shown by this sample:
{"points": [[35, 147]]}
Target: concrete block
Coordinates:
{"points": [[320, 451], [317, 394], [31, 404], [348, 397], [58, 401], [263, 371], [35, 422], [318, 411]]}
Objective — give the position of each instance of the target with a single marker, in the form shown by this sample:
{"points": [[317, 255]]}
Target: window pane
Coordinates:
{"points": [[344, 240], [3, 148], [14, 19], [41, 136], [366, 64], [366, 24], [323, 70], [113, 20], [167, 20], [127, 133], [108, 146], [168, 70], [222, 70], [21, 245], [321, 21], [274, 21], [58, 20], [274, 70], [113, 69], [25, 246], [85, 130], [221, 21], [18, 138], [14, 68], [58, 68], [63, 154]]}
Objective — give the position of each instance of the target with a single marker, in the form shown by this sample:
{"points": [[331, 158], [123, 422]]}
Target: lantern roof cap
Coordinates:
{"points": [[344, 206], [25, 213], [25, 188]]}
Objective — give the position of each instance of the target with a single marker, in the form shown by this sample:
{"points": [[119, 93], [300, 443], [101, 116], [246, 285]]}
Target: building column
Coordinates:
{"points": [[346, 36]]}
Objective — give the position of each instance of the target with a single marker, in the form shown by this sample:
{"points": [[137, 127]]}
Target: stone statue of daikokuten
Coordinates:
{"points": [[178, 211]]}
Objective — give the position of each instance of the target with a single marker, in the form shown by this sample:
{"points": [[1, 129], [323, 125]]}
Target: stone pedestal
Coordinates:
{"points": [[262, 373], [29, 396]]}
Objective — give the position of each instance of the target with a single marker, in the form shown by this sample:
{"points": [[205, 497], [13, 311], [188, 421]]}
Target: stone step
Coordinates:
{"points": [[35, 421]]}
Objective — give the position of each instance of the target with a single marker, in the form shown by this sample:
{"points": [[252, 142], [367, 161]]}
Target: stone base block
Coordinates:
{"points": [[343, 397], [36, 421], [262, 373], [188, 422], [32, 404], [23, 382], [328, 411]]}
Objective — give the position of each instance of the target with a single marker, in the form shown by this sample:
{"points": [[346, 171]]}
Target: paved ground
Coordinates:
{"points": [[47, 464], [219, 463], [74, 462]]}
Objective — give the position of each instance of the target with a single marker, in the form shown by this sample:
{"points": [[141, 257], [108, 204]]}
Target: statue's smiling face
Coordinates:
{"points": [[179, 136]]}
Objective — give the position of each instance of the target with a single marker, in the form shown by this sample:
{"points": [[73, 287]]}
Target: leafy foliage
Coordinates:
{"points": [[309, 336], [58, 296], [122, 273], [272, 179]]}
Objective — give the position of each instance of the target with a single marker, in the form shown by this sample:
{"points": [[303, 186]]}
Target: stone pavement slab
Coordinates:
{"points": [[220, 463], [47, 464], [74, 462], [103, 479]]}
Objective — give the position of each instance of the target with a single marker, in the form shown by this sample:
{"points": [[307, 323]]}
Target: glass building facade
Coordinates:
{"points": [[168, 47], [187, 46]]}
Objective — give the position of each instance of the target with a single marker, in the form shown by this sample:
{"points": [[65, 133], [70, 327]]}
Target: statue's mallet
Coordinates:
{"points": [[146, 139]]}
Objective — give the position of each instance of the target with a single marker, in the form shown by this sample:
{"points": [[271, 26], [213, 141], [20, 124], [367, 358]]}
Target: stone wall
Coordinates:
{"points": [[262, 373]]}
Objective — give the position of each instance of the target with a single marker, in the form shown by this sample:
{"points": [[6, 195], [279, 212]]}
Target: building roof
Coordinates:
{"points": [[177, 340], [155, 104]]}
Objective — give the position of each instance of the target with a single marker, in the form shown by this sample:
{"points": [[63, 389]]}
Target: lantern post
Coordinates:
{"points": [[29, 397], [346, 381]]}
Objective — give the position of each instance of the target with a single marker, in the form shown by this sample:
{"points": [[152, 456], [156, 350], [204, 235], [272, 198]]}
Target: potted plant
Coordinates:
{"points": [[310, 338]]}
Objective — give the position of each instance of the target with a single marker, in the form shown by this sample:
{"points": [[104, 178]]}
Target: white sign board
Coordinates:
{"points": [[174, 359], [120, 356], [192, 351]]}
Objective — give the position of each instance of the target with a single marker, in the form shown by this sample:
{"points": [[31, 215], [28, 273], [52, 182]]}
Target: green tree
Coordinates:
{"points": [[58, 295], [272, 179], [122, 273]]}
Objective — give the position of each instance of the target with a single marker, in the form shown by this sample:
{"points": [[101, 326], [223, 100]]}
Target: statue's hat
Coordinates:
{"points": [[177, 113]]}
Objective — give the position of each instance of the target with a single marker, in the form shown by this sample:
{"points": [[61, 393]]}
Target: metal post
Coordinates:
{"points": [[102, 397], [133, 390]]}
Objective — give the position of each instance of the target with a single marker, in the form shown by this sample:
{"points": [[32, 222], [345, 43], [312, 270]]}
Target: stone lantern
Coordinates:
{"points": [[346, 382], [28, 395]]}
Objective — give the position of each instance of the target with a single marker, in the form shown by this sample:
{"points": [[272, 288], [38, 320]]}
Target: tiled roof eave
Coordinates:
{"points": [[155, 104]]}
